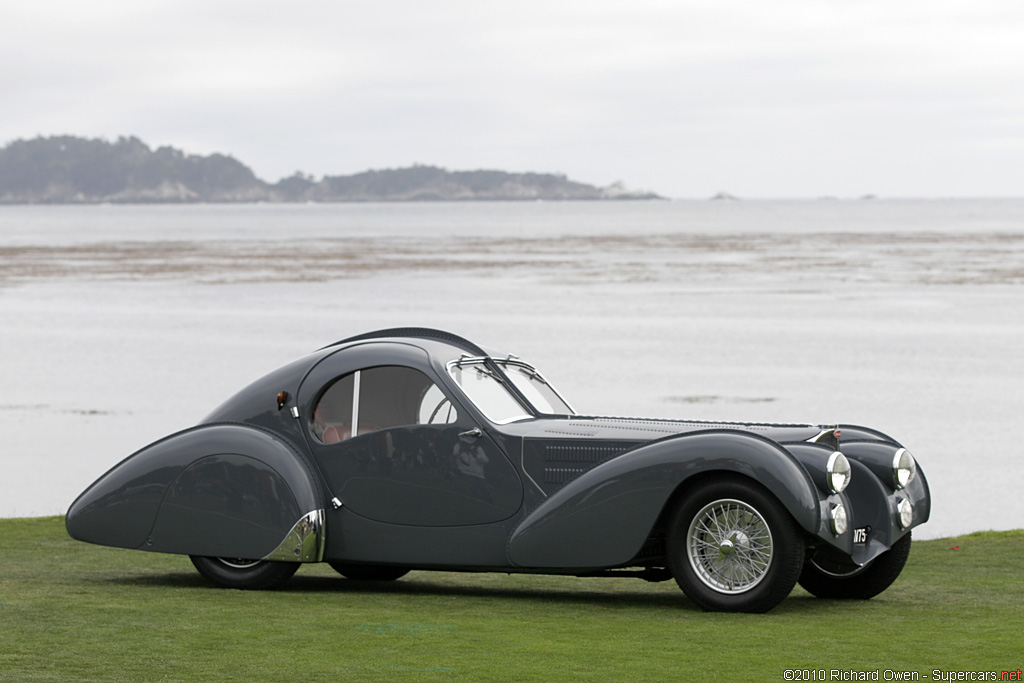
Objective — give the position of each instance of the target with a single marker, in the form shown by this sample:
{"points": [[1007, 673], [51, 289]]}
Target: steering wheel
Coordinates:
{"points": [[438, 409]]}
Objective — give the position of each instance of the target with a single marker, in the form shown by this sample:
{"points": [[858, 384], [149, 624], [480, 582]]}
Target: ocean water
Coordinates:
{"points": [[122, 324]]}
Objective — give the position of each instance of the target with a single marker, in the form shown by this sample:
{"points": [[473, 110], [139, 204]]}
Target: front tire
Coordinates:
{"points": [[245, 574], [734, 548], [823, 579]]}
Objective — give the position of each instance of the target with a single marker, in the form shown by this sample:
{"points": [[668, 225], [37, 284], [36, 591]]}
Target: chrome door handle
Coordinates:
{"points": [[476, 433]]}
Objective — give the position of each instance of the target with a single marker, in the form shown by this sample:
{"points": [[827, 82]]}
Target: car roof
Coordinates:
{"points": [[416, 333]]}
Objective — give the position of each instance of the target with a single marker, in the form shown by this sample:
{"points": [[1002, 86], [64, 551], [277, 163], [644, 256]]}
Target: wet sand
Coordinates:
{"points": [[910, 259]]}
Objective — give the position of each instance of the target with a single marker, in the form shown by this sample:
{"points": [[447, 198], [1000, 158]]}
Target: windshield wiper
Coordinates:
{"points": [[478, 363]]}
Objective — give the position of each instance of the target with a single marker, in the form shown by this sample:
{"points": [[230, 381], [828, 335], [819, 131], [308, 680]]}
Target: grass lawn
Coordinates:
{"points": [[76, 612]]}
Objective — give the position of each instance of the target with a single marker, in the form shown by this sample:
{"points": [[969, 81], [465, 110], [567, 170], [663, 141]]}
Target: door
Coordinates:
{"points": [[394, 447]]}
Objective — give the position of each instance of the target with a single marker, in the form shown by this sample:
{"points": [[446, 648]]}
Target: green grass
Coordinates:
{"points": [[72, 611]]}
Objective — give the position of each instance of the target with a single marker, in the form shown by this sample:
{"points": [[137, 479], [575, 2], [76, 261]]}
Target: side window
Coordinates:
{"points": [[378, 398]]}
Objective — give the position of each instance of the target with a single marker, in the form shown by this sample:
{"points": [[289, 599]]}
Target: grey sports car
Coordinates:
{"points": [[414, 449]]}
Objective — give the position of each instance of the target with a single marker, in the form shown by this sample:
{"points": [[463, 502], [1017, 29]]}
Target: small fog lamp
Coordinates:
{"points": [[903, 468], [906, 513], [839, 519], [838, 470]]}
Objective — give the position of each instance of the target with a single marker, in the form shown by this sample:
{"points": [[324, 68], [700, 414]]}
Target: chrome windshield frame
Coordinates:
{"points": [[519, 363]]}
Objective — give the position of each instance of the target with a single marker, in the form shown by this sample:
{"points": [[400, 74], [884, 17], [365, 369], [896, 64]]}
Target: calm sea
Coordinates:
{"points": [[121, 324]]}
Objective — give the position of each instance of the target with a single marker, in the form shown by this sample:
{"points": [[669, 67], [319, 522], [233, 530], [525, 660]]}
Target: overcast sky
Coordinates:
{"points": [[760, 98]]}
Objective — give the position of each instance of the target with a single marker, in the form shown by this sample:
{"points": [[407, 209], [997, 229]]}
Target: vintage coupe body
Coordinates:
{"points": [[413, 448]]}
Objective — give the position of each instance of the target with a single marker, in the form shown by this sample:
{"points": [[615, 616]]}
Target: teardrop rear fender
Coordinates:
{"points": [[602, 518], [225, 490]]}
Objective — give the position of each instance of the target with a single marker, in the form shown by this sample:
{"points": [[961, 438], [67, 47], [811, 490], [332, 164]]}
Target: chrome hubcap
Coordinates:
{"points": [[237, 562], [729, 546]]}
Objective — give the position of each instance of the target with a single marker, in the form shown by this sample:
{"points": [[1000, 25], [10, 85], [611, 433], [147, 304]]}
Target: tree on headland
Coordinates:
{"points": [[70, 169]]}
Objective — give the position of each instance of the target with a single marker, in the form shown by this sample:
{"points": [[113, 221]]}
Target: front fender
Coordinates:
{"points": [[224, 490], [877, 459], [602, 518]]}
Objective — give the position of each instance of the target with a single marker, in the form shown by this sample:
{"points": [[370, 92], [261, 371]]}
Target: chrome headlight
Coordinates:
{"points": [[903, 468], [839, 519], [838, 472], [905, 513]]}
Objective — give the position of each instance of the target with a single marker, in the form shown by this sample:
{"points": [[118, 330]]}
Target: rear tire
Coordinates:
{"points": [[245, 574], [829, 580], [734, 548], [369, 572]]}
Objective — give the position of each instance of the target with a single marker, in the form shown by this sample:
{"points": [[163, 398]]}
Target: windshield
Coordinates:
{"points": [[535, 388], [488, 390]]}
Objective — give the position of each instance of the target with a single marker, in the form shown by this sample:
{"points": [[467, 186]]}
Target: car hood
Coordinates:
{"points": [[648, 429]]}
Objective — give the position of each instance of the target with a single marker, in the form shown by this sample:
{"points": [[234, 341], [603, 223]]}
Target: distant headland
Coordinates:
{"points": [[73, 170]]}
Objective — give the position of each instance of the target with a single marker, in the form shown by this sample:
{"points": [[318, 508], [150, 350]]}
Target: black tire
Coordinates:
{"points": [[368, 572], [843, 582], [245, 574], [734, 548]]}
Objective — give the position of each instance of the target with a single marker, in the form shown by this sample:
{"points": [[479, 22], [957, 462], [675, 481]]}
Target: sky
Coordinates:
{"points": [[687, 98]]}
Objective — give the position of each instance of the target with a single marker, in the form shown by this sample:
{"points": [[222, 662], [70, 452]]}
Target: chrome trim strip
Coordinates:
{"points": [[304, 543], [355, 402]]}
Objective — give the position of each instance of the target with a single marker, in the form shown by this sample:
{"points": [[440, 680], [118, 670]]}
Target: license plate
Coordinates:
{"points": [[860, 536]]}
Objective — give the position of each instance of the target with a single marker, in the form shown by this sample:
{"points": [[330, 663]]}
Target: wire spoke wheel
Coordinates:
{"points": [[733, 547], [729, 546]]}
